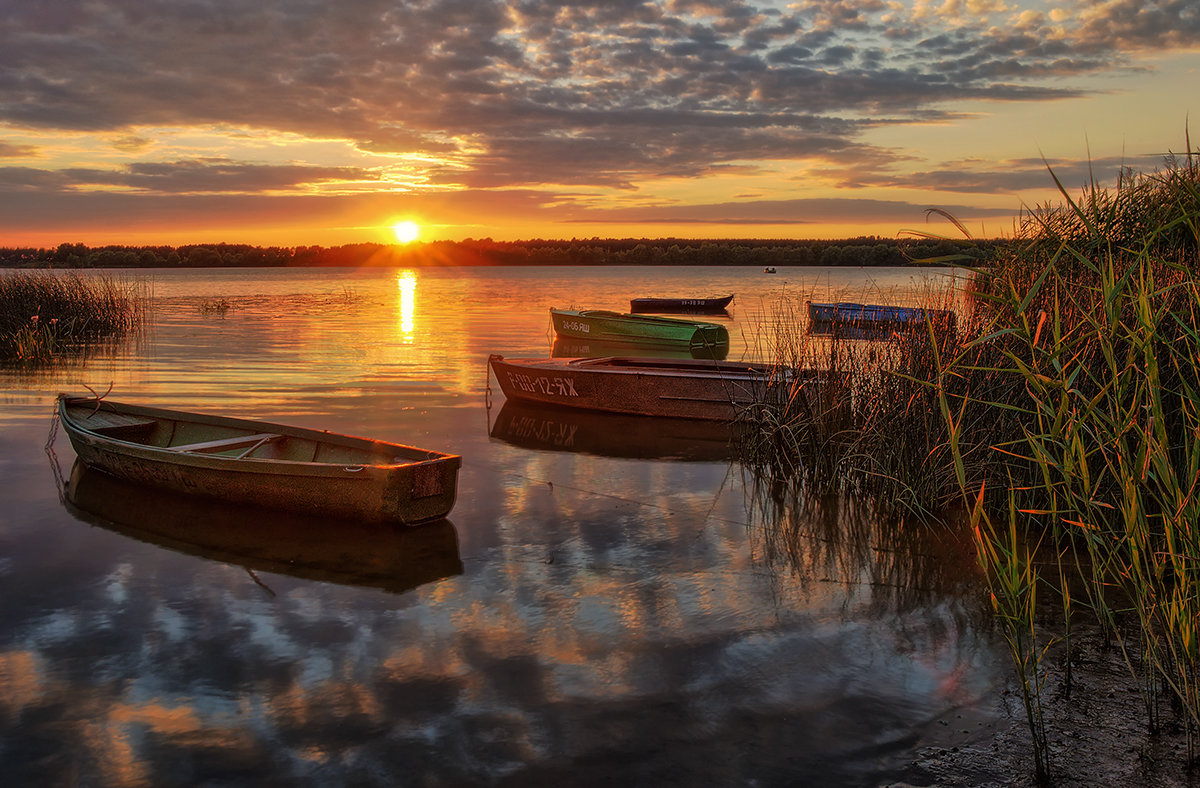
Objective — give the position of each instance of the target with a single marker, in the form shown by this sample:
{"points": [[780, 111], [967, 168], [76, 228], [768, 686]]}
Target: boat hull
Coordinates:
{"points": [[878, 315], [300, 470], [674, 388], [599, 325], [709, 306]]}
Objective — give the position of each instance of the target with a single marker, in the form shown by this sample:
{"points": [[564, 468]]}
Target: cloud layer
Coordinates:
{"points": [[611, 94]]}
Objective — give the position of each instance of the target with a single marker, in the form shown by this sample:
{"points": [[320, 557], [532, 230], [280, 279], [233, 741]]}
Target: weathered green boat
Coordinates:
{"points": [[254, 462], [601, 325]]}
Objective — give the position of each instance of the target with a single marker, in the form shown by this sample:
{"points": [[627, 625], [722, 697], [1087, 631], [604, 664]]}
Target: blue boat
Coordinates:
{"points": [[878, 315]]}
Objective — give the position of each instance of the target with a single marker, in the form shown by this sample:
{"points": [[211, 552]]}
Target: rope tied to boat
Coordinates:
{"points": [[98, 397], [487, 387], [59, 479]]}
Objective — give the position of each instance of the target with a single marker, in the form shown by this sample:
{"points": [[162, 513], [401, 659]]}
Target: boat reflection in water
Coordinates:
{"points": [[874, 332], [567, 347], [346, 552], [532, 426]]}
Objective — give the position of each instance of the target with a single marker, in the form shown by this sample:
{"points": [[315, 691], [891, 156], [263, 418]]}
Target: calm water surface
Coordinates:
{"points": [[611, 601]]}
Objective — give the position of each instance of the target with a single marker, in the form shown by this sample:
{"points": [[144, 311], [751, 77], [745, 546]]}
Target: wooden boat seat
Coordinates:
{"points": [[253, 441], [121, 426]]}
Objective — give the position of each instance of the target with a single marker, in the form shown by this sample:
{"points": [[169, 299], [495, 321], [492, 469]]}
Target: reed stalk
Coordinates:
{"points": [[44, 315]]}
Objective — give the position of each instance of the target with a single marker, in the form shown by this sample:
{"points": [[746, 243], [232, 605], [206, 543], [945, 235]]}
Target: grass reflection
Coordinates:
{"points": [[836, 538]]}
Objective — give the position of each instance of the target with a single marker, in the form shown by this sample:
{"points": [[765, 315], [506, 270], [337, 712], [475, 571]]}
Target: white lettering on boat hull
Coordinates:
{"points": [[548, 386]]}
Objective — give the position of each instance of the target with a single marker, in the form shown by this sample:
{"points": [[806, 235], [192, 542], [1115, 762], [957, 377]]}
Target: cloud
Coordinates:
{"points": [[981, 176], [524, 93], [779, 212], [9, 150], [1105, 25], [183, 177]]}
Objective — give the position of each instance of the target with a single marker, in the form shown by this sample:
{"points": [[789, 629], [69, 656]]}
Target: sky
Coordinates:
{"points": [[327, 122]]}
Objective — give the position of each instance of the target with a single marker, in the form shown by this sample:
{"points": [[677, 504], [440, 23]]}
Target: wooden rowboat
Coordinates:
{"points": [[878, 315], [713, 305], [605, 326], [260, 463], [677, 388]]}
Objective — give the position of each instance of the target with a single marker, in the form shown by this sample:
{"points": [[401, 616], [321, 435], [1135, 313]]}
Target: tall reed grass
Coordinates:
{"points": [[44, 315], [1066, 413]]}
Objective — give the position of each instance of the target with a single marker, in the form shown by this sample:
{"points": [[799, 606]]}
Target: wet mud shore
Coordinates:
{"points": [[1098, 733]]}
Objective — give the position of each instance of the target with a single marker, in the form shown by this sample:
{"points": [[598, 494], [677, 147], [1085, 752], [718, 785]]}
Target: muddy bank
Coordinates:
{"points": [[1098, 733]]}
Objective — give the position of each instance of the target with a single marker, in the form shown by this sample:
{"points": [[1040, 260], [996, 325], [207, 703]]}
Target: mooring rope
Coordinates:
{"points": [[55, 467]]}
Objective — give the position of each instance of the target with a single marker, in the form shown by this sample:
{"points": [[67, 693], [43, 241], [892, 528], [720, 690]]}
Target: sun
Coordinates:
{"points": [[406, 232]]}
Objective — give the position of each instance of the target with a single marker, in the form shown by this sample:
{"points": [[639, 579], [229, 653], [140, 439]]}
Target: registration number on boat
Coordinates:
{"points": [[574, 325], [547, 386]]}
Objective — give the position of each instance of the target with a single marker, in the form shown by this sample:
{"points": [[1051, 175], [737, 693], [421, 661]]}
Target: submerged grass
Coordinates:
{"points": [[45, 315], [1066, 413]]}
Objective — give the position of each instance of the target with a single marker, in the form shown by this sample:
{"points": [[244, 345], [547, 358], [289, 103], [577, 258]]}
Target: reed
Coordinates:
{"points": [[44, 315], [1067, 414], [867, 426], [1097, 320]]}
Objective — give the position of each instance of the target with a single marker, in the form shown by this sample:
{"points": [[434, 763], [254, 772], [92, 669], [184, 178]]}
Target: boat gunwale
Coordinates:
{"points": [[666, 367], [171, 455]]}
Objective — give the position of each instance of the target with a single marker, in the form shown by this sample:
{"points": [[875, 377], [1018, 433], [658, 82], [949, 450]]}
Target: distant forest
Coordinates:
{"points": [[867, 251]]}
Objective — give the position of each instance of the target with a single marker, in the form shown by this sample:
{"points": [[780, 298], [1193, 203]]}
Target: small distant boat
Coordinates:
{"points": [[769, 270], [311, 547], [878, 315], [260, 463], [604, 326], [676, 388], [708, 306]]}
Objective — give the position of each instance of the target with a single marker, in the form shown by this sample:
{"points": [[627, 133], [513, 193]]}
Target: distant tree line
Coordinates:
{"points": [[865, 251]]}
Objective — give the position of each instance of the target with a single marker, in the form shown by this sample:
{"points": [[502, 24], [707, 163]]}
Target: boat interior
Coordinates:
{"points": [[194, 437]]}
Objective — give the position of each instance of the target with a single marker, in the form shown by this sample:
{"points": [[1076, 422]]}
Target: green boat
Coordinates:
{"points": [[599, 325]]}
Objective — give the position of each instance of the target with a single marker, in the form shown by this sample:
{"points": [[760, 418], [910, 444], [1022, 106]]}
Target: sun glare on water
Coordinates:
{"points": [[406, 232]]}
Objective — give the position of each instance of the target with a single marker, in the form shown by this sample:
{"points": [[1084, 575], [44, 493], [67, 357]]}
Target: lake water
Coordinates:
{"points": [[612, 600]]}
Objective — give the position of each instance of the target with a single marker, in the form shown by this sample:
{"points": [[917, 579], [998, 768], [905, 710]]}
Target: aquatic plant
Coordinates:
{"points": [[1097, 318], [868, 424], [43, 315], [1066, 415], [217, 306]]}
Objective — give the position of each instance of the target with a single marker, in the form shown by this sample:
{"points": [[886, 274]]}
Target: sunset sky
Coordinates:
{"points": [[298, 122]]}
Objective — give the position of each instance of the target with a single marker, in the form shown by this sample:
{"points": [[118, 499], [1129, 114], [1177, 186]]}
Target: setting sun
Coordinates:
{"points": [[406, 232]]}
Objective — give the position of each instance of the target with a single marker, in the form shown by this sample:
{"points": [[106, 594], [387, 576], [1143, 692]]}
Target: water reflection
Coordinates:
{"points": [[600, 619], [407, 283], [840, 330], [347, 552], [612, 435], [576, 348], [841, 539]]}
